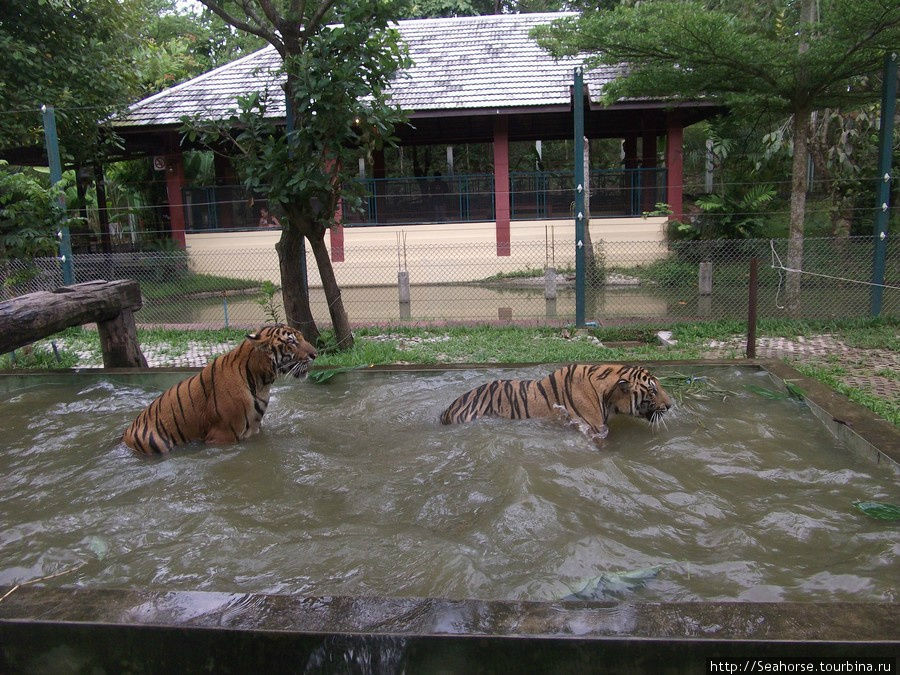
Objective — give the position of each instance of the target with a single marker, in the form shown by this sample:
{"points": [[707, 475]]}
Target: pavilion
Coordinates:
{"points": [[473, 80]]}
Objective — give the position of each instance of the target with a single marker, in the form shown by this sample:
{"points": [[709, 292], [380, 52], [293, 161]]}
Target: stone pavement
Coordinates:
{"points": [[866, 369]]}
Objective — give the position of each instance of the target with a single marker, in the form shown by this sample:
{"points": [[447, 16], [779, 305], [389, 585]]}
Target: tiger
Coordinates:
{"points": [[584, 394], [224, 402]]}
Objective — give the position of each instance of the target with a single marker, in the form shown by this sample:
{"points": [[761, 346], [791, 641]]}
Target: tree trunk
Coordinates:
{"points": [[342, 332], [799, 185], [592, 275], [296, 303]]}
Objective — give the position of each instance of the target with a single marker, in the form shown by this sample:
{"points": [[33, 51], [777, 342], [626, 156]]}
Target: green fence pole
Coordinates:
{"points": [[888, 103], [578, 110], [52, 141]]}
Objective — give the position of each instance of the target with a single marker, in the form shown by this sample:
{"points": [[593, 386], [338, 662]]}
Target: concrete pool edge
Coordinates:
{"points": [[235, 632], [731, 620]]}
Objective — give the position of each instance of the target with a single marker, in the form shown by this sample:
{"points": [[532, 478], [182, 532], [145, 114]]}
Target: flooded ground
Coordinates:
{"points": [[509, 301], [353, 488]]}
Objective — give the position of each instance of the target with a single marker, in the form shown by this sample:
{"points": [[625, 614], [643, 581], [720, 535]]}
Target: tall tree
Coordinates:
{"points": [[782, 58], [336, 79], [72, 54]]}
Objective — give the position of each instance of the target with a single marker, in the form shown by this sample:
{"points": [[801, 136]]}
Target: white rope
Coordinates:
{"points": [[816, 274]]}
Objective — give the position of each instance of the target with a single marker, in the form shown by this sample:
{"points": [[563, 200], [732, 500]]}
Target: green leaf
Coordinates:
{"points": [[322, 376], [879, 510], [795, 391]]}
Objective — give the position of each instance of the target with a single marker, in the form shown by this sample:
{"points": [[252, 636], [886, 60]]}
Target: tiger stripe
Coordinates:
{"points": [[225, 401], [585, 393]]}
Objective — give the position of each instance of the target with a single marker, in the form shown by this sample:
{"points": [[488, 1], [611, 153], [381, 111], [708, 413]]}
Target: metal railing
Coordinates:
{"points": [[537, 195]]}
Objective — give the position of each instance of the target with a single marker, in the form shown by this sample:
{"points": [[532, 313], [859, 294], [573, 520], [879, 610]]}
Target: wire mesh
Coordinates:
{"points": [[630, 281]]}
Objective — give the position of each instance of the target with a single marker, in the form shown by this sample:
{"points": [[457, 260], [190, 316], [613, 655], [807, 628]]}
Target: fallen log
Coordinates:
{"points": [[111, 304]]}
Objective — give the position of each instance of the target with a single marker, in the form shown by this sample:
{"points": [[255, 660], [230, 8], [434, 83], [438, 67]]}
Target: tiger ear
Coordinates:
{"points": [[623, 384]]}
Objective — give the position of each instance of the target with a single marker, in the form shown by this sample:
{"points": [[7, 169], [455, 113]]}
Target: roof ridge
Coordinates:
{"points": [[485, 17]]}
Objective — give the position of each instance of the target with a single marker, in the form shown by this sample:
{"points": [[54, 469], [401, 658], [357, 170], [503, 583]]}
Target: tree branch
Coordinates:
{"points": [[310, 28], [259, 29]]}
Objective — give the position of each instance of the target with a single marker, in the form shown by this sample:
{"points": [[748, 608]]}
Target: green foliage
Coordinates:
{"points": [[267, 301], [43, 358], [670, 272], [191, 284], [737, 214], [30, 215], [177, 42], [693, 49], [71, 55], [337, 80]]}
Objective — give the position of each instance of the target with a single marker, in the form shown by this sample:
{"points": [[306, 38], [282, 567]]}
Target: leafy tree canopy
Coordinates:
{"points": [[769, 57], [71, 54]]}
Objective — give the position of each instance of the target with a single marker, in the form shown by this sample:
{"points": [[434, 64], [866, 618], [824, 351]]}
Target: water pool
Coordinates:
{"points": [[354, 489]]}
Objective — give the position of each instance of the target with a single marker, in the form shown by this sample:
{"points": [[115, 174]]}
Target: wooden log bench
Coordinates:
{"points": [[111, 304]]}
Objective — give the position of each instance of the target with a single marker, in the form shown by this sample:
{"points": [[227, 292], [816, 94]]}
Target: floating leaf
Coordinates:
{"points": [[322, 376], [608, 584], [795, 391], [879, 510]]}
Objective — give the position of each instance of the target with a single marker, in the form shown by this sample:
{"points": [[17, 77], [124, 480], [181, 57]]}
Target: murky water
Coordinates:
{"points": [[353, 488]]}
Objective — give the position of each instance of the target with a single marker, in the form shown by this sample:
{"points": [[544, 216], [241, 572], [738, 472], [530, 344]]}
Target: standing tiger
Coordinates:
{"points": [[226, 401], [585, 394]]}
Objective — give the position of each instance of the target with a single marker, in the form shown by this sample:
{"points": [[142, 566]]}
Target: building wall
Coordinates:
{"points": [[442, 253]]}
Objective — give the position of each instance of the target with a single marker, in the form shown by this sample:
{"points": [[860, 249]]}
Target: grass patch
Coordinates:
{"points": [[889, 409], [193, 284]]}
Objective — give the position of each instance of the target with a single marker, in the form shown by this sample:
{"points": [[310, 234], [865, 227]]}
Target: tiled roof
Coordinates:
{"points": [[466, 63]]}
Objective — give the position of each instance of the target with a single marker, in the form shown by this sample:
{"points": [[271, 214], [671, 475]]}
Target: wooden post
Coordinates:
{"points": [[705, 279], [751, 310], [119, 343]]}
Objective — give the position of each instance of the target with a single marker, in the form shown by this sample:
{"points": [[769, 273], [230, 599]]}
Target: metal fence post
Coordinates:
{"points": [[751, 309], [52, 141], [578, 112], [888, 103]]}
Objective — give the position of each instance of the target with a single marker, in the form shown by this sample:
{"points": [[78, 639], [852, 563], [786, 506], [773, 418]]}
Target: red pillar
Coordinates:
{"points": [[675, 169], [336, 234], [501, 183], [630, 147], [174, 186], [225, 206], [378, 170]]}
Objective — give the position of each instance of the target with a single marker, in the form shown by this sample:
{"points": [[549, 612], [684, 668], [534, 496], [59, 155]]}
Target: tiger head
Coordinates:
{"points": [[289, 351], [638, 393]]}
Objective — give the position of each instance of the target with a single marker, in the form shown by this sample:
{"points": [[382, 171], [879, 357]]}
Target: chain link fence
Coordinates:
{"points": [[647, 282]]}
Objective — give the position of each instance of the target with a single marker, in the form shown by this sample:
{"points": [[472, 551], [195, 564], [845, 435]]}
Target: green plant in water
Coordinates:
{"points": [[267, 301], [879, 510]]}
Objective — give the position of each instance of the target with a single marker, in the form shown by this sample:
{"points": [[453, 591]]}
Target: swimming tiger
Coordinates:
{"points": [[225, 401], [585, 394]]}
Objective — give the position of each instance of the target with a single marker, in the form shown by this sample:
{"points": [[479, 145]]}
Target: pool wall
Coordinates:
{"points": [[65, 629]]}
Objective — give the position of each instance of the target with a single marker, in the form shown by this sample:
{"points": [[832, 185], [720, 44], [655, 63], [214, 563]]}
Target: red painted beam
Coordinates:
{"points": [[675, 169], [501, 184], [336, 234], [174, 186]]}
